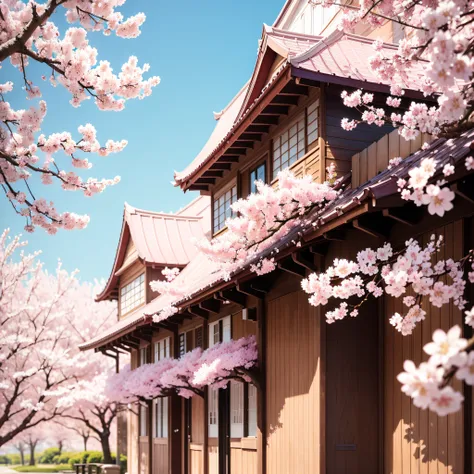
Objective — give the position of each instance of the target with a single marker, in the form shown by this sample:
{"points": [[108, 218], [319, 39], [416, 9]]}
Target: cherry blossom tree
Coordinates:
{"points": [[45, 378], [188, 375], [440, 35], [29, 33]]}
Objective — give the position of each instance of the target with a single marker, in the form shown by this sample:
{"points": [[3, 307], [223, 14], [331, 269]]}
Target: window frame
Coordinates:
{"points": [[161, 350], [230, 186], [142, 294], [255, 169], [301, 116], [143, 428]]}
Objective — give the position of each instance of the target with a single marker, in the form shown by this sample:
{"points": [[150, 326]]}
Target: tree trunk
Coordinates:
{"points": [[104, 441], [21, 448], [32, 453], [60, 446], [85, 438]]}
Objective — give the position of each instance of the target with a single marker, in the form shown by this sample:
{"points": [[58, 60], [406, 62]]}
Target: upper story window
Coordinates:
{"points": [[189, 340], [257, 174], [161, 349], [132, 294], [222, 209], [295, 140]]}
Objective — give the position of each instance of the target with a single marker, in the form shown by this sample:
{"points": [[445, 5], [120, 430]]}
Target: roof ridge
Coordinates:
{"points": [[135, 210], [218, 115]]}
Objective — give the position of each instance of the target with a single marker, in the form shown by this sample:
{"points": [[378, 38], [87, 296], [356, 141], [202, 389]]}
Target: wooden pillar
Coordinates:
{"points": [[174, 433], [205, 444], [261, 391], [322, 133], [150, 436]]}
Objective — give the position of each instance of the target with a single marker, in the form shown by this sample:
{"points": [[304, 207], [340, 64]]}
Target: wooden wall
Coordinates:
{"points": [[132, 429], [375, 158], [341, 145], [143, 454], [243, 456], [160, 456], [418, 441], [293, 384], [353, 379], [196, 454]]}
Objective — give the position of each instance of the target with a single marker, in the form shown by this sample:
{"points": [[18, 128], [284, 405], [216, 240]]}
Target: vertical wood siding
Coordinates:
{"points": [[293, 390], [418, 441], [132, 429], [196, 458], [375, 158], [341, 145], [160, 456], [213, 453], [143, 454]]}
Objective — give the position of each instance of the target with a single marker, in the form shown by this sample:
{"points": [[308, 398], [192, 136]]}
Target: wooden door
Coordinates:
{"points": [[353, 383], [187, 434]]}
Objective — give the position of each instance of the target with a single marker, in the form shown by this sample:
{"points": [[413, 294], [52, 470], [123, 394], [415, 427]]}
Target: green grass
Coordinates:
{"points": [[44, 468]]}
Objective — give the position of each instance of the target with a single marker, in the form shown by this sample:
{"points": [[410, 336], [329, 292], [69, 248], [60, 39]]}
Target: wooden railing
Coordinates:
{"points": [[370, 162]]}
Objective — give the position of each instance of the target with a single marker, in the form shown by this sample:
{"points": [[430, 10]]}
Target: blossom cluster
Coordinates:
{"points": [[188, 375], [427, 383], [441, 39], [375, 272], [166, 286], [264, 217], [28, 35], [417, 188]]}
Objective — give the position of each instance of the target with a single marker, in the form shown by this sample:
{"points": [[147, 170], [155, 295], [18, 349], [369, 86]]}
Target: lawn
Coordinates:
{"points": [[43, 468]]}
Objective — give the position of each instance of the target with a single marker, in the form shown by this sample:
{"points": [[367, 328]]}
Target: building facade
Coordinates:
{"points": [[327, 400]]}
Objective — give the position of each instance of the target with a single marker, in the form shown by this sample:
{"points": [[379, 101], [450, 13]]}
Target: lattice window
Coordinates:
{"points": [[161, 418], [132, 294], [252, 414], [257, 174], [222, 209], [236, 409]]}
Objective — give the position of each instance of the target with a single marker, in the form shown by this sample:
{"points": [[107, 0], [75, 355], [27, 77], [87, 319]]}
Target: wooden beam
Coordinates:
{"points": [[464, 191], [186, 314], [289, 266], [199, 312], [368, 229], [248, 289], [229, 158], [275, 110], [285, 100], [221, 166], [294, 89], [213, 174], [336, 234], [243, 143], [252, 136], [206, 181], [257, 128], [237, 151], [305, 260], [124, 347], [234, 297], [212, 306], [266, 120], [401, 215]]}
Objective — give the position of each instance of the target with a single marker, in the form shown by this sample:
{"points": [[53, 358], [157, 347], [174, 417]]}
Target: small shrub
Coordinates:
{"points": [[76, 458], [47, 456], [95, 457], [4, 459], [64, 458]]}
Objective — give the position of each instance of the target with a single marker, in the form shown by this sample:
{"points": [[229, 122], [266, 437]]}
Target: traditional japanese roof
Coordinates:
{"points": [[338, 58], [159, 239], [200, 277]]}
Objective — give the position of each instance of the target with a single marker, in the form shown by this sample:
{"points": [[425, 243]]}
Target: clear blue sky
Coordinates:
{"points": [[204, 51]]}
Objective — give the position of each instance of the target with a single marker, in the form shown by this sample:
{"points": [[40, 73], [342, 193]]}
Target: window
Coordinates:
{"points": [[161, 417], [219, 331], [189, 340], [252, 415], [132, 295], [257, 174], [236, 409], [143, 410], [162, 349], [222, 209], [294, 142]]}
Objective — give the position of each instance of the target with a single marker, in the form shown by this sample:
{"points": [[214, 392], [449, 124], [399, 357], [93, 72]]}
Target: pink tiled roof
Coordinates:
{"points": [[345, 55], [338, 55], [164, 238], [159, 238]]}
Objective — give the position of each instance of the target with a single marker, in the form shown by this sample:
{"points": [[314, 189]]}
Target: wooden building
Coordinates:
{"points": [[328, 401]]}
